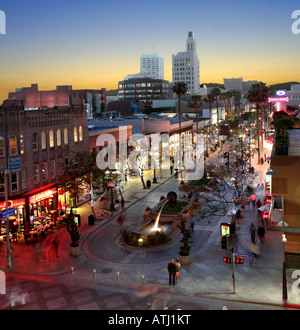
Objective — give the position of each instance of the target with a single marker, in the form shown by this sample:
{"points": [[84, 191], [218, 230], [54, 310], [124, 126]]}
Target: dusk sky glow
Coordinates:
{"points": [[96, 43]]}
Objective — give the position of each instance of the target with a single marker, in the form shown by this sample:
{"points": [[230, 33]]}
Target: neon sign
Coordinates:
{"points": [[279, 99], [281, 93], [44, 195]]}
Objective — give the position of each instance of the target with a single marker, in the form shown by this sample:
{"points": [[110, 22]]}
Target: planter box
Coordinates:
{"points": [[75, 251], [184, 260]]}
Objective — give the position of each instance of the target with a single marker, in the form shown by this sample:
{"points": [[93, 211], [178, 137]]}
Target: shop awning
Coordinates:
{"points": [[41, 189]]}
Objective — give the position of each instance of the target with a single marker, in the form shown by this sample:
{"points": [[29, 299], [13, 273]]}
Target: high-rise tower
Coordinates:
{"points": [[185, 66]]}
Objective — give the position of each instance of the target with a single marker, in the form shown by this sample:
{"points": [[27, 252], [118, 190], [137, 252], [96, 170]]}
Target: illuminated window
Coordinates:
{"points": [[36, 173], [44, 140], [35, 141], [80, 133], [44, 171], [22, 144], [66, 136], [2, 146], [75, 134], [13, 146], [58, 137], [51, 139]]}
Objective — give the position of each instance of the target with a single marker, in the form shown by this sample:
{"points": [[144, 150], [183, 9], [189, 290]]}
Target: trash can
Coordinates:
{"points": [[91, 219], [148, 184]]}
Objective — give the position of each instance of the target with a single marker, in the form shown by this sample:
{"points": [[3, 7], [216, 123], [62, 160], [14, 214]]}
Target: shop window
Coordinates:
{"points": [[66, 136], [36, 174], [13, 146], [51, 139], [44, 172], [52, 169], [14, 181], [23, 177], [35, 141], [2, 146], [80, 133], [44, 140], [58, 137], [75, 134]]}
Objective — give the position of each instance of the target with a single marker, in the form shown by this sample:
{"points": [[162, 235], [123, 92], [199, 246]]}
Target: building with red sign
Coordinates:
{"points": [[36, 145]]}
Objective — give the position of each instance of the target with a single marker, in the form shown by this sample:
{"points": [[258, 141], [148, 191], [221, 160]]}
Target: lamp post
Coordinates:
{"points": [[284, 283]]}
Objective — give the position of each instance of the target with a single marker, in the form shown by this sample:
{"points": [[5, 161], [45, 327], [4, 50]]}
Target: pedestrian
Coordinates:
{"points": [[171, 170], [261, 233], [252, 233], [258, 205], [249, 201], [121, 219], [178, 268], [176, 173], [172, 272], [265, 157], [238, 215], [261, 160], [253, 197], [54, 245], [192, 223], [122, 204]]}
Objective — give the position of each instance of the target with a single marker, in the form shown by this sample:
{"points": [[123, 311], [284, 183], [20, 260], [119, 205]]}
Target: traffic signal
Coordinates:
{"points": [[227, 260], [224, 243], [239, 261], [14, 227]]}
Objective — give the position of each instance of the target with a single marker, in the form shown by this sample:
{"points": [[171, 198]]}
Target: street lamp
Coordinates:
{"points": [[284, 283]]}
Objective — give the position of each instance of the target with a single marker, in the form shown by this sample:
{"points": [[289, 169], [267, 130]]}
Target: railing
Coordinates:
{"points": [[285, 149]]}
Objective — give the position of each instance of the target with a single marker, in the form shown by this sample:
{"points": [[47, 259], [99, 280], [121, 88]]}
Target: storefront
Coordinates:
{"points": [[19, 216], [43, 203]]}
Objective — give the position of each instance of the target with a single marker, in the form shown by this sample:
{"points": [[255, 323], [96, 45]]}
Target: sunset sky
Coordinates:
{"points": [[96, 43]]}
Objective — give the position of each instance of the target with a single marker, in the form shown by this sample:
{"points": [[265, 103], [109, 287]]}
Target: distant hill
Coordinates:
{"points": [[286, 85], [112, 92]]}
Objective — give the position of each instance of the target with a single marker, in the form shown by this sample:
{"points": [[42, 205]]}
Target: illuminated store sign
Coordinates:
{"points": [[281, 93], [279, 99], [44, 195]]}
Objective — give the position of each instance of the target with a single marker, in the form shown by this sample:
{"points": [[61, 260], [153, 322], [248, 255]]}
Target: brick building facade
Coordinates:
{"points": [[44, 141]]}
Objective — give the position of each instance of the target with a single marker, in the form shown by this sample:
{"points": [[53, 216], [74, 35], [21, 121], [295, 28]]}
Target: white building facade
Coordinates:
{"points": [[152, 66], [185, 66]]}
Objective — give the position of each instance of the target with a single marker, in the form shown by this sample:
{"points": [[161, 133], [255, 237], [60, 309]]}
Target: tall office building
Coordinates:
{"points": [[152, 66], [185, 66]]}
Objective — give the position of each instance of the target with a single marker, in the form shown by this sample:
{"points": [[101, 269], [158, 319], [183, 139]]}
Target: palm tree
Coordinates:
{"points": [[180, 88], [259, 94], [216, 92], [196, 102]]}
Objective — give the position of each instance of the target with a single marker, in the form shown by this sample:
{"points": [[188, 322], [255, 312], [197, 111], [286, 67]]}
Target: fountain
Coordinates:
{"points": [[155, 227]]}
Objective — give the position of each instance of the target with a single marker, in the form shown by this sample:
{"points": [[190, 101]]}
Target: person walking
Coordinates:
{"points": [[171, 169], [253, 197], [192, 223], [172, 272], [178, 268], [253, 233], [261, 233], [122, 204], [121, 219]]}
